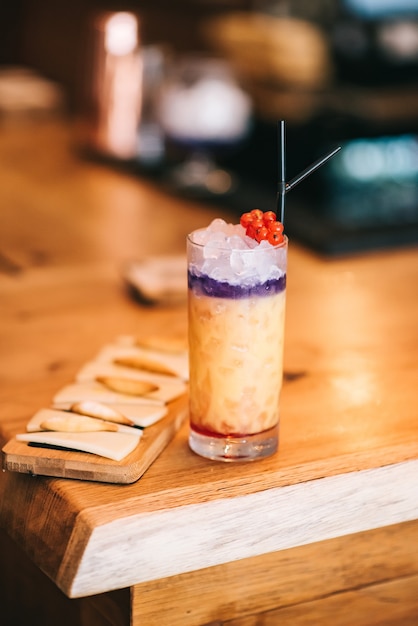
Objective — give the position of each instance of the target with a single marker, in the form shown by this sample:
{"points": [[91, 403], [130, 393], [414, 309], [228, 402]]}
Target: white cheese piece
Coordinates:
{"points": [[94, 391], [141, 414], [43, 415], [115, 446], [178, 363]]}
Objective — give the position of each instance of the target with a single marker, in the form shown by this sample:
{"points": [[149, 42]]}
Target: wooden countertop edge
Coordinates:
{"points": [[139, 548], [71, 532], [215, 488]]}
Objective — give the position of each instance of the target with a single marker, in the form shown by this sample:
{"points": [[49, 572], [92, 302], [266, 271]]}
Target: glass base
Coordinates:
{"points": [[235, 449]]}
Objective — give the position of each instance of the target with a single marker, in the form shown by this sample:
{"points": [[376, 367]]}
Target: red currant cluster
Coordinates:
{"points": [[262, 226]]}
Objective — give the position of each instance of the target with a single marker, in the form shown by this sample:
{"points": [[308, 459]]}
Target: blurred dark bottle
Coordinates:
{"points": [[121, 79]]}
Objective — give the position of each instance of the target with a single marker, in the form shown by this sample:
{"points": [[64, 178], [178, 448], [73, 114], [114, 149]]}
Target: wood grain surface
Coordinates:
{"points": [[349, 403], [310, 583]]}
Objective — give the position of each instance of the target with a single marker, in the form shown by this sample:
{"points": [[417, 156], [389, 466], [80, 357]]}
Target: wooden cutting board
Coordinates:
{"points": [[18, 456]]}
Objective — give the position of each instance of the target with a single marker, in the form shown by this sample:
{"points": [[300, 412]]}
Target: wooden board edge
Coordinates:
{"points": [[78, 465]]}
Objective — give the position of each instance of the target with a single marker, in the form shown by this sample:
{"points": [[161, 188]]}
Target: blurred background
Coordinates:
{"points": [[189, 94]]}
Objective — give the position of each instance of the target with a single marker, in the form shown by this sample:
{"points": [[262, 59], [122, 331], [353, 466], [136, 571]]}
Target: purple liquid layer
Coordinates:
{"points": [[205, 286]]}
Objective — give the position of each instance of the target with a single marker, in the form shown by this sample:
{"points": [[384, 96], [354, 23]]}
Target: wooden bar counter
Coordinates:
{"points": [[325, 532]]}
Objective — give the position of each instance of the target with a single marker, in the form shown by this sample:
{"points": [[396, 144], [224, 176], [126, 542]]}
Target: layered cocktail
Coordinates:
{"points": [[237, 283]]}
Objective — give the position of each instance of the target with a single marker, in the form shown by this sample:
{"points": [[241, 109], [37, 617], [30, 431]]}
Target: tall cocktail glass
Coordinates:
{"points": [[236, 299]]}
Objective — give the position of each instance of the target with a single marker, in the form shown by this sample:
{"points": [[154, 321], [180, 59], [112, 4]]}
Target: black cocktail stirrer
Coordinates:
{"points": [[285, 187], [282, 170]]}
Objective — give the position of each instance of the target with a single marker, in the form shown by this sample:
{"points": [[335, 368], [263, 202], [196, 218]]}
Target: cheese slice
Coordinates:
{"points": [[92, 369], [97, 392], [141, 414], [172, 344], [44, 415], [115, 446], [178, 364]]}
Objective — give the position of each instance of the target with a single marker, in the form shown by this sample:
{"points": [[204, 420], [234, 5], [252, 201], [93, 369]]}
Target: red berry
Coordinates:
{"points": [[257, 223], [246, 219], [275, 227], [275, 237], [257, 214], [250, 231], [261, 226], [269, 216], [261, 233]]}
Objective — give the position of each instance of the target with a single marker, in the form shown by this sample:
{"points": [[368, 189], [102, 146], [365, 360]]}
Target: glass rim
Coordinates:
{"points": [[283, 244]]}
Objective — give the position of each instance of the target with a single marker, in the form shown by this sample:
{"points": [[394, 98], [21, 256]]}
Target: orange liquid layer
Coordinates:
{"points": [[236, 363]]}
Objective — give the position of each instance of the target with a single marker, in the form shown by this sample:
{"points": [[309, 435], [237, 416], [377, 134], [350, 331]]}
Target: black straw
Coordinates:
{"points": [[282, 170], [284, 187], [311, 168]]}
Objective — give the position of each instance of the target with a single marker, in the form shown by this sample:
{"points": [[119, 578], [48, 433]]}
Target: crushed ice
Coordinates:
{"points": [[226, 255]]}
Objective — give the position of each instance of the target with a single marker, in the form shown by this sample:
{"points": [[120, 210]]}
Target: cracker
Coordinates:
{"points": [[145, 363], [163, 344], [77, 424], [100, 411], [127, 386]]}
